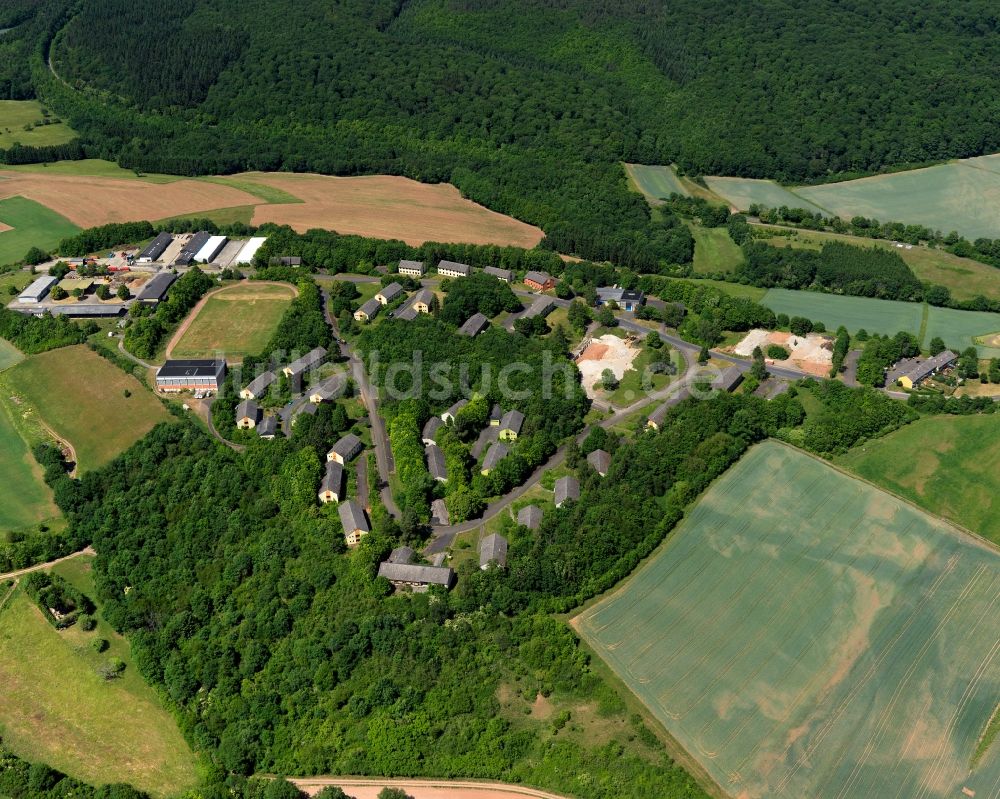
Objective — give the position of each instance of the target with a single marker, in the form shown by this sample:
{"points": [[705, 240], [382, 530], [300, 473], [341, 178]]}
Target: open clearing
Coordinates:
{"points": [[812, 353], [424, 789], [234, 320], [56, 709], [15, 114], [604, 352], [81, 397], [947, 464], [741, 193], [854, 313], [655, 182], [29, 224], [804, 634], [389, 207], [714, 250], [961, 329]]}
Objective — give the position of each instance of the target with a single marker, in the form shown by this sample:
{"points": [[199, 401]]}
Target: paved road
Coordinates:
{"points": [[14, 575], [851, 368]]}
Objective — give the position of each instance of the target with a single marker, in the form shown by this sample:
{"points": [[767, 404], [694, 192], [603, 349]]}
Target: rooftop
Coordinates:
{"points": [[566, 488], [352, 517], [530, 516], [474, 325], [493, 549], [191, 368]]}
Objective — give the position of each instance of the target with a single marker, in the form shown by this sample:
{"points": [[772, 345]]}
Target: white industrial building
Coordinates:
{"points": [[38, 290], [211, 248], [249, 250]]}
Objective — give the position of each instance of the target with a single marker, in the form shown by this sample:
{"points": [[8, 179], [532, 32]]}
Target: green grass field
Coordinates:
{"points": [[744, 192], [237, 321], [93, 167], [714, 250], [631, 387], [960, 329], [267, 194], [732, 289], [15, 114], [875, 316], [33, 225], [804, 634], [654, 182], [81, 396], [242, 214], [947, 464], [54, 708]]}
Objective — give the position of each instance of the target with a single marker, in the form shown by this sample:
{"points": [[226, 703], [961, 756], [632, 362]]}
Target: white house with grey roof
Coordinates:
{"points": [[389, 293], [310, 360], [354, 522], [431, 427], [600, 461], [422, 301], [493, 549], [268, 427], [453, 269], [435, 463], [407, 313], [566, 488], [503, 275], [510, 425], [331, 488], [345, 450], [329, 389], [449, 415], [368, 311], [542, 306], [247, 415], [257, 387], [412, 268]]}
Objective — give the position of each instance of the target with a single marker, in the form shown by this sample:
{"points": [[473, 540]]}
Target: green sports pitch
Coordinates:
{"points": [[804, 634], [655, 182]]}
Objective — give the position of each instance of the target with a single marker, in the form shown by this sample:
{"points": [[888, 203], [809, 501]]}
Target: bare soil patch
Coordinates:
{"points": [[812, 353], [4, 228], [389, 207]]}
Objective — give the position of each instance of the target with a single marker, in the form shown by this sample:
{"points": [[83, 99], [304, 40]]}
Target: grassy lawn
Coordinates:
{"points": [[654, 182], [93, 167], [268, 194], [81, 396], [33, 225], [949, 465], [27, 500], [733, 289], [55, 708], [18, 279], [242, 214], [631, 388], [15, 114], [714, 250], [237, 320]]}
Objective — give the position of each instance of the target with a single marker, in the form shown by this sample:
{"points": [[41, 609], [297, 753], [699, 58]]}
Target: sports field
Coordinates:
{"points": [[804, 634], [55, 708], [744, 192], [854, 313], [15, 114], [28, 224], [947, 464], [81, 397], [714, 250], [655, 182], [236, 320]]}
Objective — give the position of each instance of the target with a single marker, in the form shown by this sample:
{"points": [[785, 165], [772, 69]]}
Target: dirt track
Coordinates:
{"points": [[425, 789]]}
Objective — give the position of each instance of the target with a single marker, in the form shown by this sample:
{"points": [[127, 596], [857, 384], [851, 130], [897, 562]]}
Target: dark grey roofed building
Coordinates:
{"points": [[453, 269], [566, 488], [75, 310], [268, 428], [306, 362], [500, 274], [191, 375], [416, 576], [331, 488], [486, 437], [926, 368], [155, 289], [600, 461], [407, 313], [429, 433], [494, 455], [388, 293], [728, 379], [256, 387], [329, 389], [772, 387], [413, 268], [247, 414], [152, 251], [193, 246], [368, 310], [422, 300], [510, 425], [493, 549], [352, 519], [542, 306], [435, 463], [530, 516], [496, 414], [286, 260], [439, 513], [453, 410], [538, 280], [402, 554], [655, 419], [309, 409], [474, 325], [345, 449]]}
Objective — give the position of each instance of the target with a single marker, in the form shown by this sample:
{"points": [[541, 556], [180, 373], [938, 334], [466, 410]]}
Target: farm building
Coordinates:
{"points": [[152, 251], [429, 433], [530, 516], [449, 415], [309, 409], [503, 275], [329, 389], [268, 427], [245, 255], [474, 325], [368, 311], [71, 284], [402, 573], [539, 281], [352, 519], [389, 293], [728, 379], [566, 488], [453, 269], [38, 290], [191, 375], [920, 369], [210, 249], [191, 248], [496, 453], [655, 419], [493, 549], [345, 450], [256, 388], [542, 306], [422, 301], [286, 260], [435, 463], [77, 309], [510, 425], [496, 414], [626, 299], [310, 360], [331, 488], [439, 513], [407, 314], [600, 461], [487, 436], [247, 415], [155, 289], [412, 268]]}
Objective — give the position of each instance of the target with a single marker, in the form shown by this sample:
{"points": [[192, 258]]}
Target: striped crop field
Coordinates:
{"points": [[805, 634], [655, 182], [854, 313], [741, 193]]}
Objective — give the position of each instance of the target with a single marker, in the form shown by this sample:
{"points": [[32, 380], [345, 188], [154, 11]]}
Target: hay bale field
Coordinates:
{"points": [[388, 207], [15, 114], [949, 465], [55, 708], [854, 313], [29, 224], [235, 320], [804, 634], [81, 397], [741, 193], [655, 182]]}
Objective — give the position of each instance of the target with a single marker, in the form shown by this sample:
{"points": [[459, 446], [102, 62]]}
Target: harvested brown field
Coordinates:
{"points": [[90, 201], [384, 206], [4, 228]]}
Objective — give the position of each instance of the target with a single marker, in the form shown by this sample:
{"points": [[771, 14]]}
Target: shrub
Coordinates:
{"points": [[777, 352], [100, 644]]}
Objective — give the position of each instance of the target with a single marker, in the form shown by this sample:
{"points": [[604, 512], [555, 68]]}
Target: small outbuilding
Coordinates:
{"points": [[247, 415], [600, 461], [493, 549], [566, 488], [530, 516]]}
